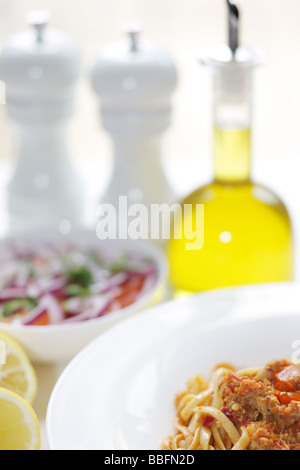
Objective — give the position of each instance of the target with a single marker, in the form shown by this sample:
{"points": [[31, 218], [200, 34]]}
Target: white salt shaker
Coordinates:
{"points": [[40, 67], [134, 81]]}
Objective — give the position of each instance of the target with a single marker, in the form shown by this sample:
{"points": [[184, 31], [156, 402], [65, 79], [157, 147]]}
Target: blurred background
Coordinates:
{"points": [[181, 28]]}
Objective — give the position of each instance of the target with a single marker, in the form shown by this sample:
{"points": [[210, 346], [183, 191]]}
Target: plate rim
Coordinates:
{"points": [[217, 322]]}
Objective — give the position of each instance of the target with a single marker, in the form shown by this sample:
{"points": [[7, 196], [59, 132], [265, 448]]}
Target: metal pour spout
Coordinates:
{"points": [[233, 26]]}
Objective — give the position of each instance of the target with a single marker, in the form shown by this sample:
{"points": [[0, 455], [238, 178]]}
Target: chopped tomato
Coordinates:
{"points": [[285, 398], [288, 379], [134, 284], [129, 291], [42, 319], [208, 421]]}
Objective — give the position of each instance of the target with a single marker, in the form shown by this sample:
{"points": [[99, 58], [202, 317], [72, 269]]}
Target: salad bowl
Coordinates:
{"points": [[58, 292]]}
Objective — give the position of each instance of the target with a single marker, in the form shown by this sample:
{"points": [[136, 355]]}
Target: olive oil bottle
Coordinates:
{"points": [[247, 229]]}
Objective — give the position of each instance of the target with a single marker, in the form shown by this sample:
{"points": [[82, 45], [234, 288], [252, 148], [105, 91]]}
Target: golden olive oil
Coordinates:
{"points": [[236, 164], [247, 229]]}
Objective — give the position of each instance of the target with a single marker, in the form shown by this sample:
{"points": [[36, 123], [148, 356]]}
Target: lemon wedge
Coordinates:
{"points": [[19, 426], [17, 373]]}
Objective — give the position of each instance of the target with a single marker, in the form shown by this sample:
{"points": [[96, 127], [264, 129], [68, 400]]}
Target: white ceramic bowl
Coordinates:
{"points": [[118, 393], [61, 342]]}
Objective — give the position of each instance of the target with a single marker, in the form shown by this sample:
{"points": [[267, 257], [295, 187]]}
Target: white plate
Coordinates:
{"points": [[118, 393]]}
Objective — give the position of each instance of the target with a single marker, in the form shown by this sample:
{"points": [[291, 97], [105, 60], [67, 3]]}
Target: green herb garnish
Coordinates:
{"points": [[75, 290], [14, 306], [119, 264], [81, 276]]}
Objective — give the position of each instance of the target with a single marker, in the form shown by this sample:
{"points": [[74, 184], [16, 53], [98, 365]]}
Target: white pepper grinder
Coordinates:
{"points": [[134, 81], [40, 67]]}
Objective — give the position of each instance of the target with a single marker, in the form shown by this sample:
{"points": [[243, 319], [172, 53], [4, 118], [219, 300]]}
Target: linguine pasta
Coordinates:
{"points": [[238, 410]]}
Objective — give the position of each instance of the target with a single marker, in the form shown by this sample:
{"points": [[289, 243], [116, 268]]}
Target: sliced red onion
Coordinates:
{"points": [[99, 307], [50, 286], [54, 308], [49, 305], [12, 293], [33, 315], [108, 284], [73, 306]]}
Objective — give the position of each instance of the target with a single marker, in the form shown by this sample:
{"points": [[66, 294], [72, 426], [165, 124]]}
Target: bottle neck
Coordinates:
{"points": [[232, 155], [232, 125]]}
